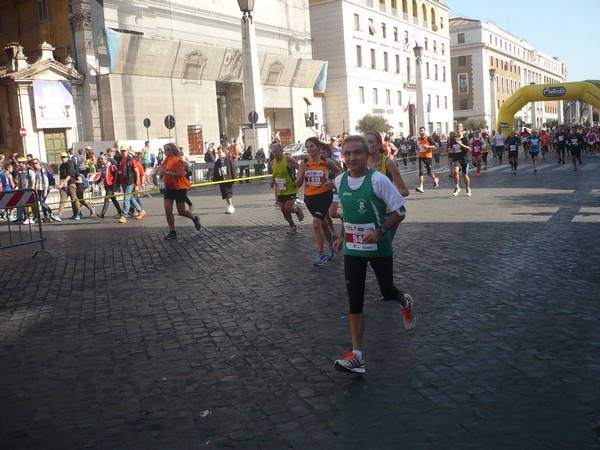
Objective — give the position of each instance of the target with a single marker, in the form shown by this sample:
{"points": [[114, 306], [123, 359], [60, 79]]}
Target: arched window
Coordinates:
{"points": [[424, 14], [415, 10], [405, 6], [433, 20]]}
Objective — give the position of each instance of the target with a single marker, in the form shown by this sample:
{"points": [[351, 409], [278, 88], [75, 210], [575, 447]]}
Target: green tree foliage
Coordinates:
{"points": [[373, 123], [475, 123]]}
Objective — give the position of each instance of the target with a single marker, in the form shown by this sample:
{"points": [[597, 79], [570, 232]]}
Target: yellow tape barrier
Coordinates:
{"points": [[155, 190]]}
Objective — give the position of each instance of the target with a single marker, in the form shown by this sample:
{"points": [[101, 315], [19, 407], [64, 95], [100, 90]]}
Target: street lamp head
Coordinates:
{"points": [[418, 52], [492, 73], [246, 6]]}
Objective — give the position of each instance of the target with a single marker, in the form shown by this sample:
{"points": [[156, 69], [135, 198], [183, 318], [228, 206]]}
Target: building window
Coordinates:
{"points": [[395, 34], [356, 22], [462, 60], [408, 69], [43, 10], [427, 71], [426, 41], [386, 67], [463, 87], [399, 98], [435, 72], [371, 28], [397, 63], [444, 73], [394, 4], [445, 102], [375, 97], [461, 38], [388, 97], [383, 31], [437, 101], [359, 56], [434, 46], [406, 37], [443, 49], [361, 95], [464, 104], [373, 64]]}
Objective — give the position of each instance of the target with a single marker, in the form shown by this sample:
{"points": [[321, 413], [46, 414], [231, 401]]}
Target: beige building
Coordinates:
{"points": [[479, 47], [371, 63], [147, 60]]}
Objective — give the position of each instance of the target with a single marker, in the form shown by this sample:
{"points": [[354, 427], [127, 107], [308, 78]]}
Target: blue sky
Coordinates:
{"points": [[563, 29]]}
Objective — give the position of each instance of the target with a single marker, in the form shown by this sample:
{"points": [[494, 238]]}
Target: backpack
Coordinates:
{"points": [[85, 183], [81, 165], [50, 175]]}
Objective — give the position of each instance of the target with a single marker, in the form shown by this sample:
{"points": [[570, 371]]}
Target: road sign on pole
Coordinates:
{"points": [[23, 132], [147, 123], [170, 124]]}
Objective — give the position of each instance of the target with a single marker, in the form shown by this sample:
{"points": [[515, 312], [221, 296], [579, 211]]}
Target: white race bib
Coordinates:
{"points": [[281, 184], [313, 177], [355, 234]]}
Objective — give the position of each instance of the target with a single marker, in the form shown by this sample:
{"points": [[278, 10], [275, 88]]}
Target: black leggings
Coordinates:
{"points": [[355, 271]]}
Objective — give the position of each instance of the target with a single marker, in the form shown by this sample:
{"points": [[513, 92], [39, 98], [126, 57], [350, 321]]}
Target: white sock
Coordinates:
{"points": [[357, 352]]}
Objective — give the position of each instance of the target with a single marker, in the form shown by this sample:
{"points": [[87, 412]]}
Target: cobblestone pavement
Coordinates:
{"points": [[226, 337]]}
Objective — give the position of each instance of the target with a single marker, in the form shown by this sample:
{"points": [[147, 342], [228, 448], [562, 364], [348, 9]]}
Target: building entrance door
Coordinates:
{"points": [[56, 142]]}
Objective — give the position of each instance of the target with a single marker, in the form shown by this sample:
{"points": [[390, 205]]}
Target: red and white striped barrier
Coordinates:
{"points": [[18, 198], [93, 177]]}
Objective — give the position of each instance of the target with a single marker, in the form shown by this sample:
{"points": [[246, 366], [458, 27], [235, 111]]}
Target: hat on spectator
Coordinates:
{"points": [[124, 147], [88, 147], [64, 154], [22, 159]]}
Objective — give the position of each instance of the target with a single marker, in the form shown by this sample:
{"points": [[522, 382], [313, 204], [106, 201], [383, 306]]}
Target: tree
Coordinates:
{"points": [[475, 123], [373, 123]]}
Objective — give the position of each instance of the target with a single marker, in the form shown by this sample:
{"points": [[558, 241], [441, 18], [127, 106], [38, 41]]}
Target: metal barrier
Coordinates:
{"points": [[21, 229]]}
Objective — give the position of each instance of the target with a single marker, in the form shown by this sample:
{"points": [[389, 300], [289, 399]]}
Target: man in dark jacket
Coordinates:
{"points": [[67, 188]]}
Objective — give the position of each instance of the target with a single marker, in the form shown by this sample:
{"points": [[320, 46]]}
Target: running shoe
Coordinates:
{"points": [[191, 208], [351, 363], [171, 235], [78, 216], [456, 191], [56, 217], [478, 174], [436, 183], [122, 219], [299, 213], [468, 192], [419, 189], [92, 209], [320, 259], [410, 316], [292, 230], [331, 255], [140, 215], [197, 223]]}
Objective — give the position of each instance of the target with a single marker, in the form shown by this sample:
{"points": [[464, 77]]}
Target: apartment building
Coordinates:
{"points": [[368, 45], [489, 65]]}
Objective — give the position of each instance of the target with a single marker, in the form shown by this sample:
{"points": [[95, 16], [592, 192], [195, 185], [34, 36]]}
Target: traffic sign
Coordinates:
{"points": [[252, 117], [250, 126], [147, 122], [23, 132], [170, 122]]}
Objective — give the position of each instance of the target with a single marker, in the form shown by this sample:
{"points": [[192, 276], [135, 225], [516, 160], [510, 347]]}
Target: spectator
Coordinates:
{"points": [[226, 169]]}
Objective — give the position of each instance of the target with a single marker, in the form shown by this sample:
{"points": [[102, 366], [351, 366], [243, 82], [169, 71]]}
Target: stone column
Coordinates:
{"points": [[87, 64]]}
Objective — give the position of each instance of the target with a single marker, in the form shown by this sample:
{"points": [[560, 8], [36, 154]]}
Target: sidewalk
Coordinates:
{"points": [[225, 338]]}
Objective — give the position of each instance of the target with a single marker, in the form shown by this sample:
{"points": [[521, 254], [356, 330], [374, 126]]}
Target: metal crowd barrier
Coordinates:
{"points": [[25, 204], [203, 171]]}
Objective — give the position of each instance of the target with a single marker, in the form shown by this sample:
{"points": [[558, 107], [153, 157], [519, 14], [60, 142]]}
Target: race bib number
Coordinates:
{"points": [[223, 172], [456, 148], [477, 148], [355, 234], [313, 177], [281, 184], [422, 148], [512, 148]]}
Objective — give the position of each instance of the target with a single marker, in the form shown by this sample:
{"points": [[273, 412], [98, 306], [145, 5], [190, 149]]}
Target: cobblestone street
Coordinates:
{"points": [[225, 338]]}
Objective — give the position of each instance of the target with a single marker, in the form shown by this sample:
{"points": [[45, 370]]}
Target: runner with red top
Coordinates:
{"points": [[477, 145], [365, 194]]}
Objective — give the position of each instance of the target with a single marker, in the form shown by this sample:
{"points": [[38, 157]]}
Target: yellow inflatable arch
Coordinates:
{"points": [[587, 91]]}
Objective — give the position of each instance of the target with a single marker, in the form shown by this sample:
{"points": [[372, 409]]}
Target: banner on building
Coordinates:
{"points": [[54, 106]]}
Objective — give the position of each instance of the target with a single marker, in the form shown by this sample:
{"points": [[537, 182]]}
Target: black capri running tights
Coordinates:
{"points": [[355, 269]]}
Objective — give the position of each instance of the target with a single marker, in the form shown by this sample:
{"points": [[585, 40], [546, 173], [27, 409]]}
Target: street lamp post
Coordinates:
{"points": [[420, 106], [492, 100], [253, 96]]}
